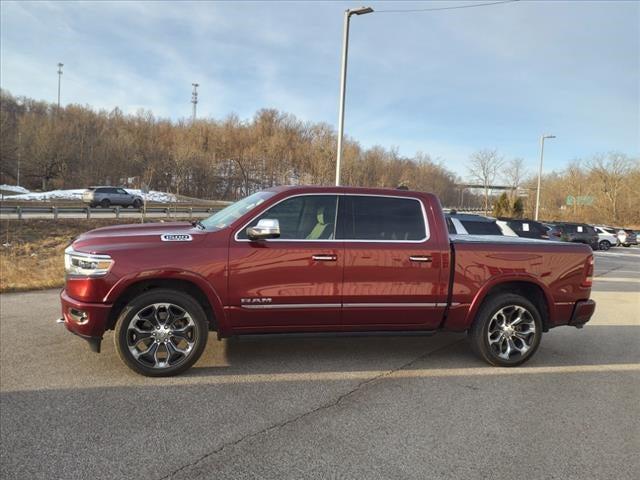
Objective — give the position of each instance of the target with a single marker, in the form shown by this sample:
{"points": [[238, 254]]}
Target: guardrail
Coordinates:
{"points": [[21, 211]]}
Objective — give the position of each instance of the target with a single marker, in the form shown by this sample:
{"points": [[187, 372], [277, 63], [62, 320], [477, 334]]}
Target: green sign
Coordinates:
{"points": [[580, 200]]}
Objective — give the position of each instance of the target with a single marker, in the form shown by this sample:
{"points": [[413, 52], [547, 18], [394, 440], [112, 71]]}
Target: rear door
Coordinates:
{"points": [[392, 265], [293, 282]]}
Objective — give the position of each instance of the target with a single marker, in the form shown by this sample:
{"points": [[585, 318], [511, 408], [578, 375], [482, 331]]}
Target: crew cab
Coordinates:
{"points": [[318, 259]]}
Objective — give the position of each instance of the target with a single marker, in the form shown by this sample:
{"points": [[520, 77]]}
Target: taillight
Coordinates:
{"points": [[588, 272]]}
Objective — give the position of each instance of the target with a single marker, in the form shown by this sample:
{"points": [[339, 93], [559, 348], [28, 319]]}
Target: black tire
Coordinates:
{"points": [[105, 203], [485, 319], [137, 203], [136, 313], [604, 245], [626, 245]]}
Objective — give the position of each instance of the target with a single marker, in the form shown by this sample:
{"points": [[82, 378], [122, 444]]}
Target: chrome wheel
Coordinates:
{"points": [[161, 335], [511, 332]]}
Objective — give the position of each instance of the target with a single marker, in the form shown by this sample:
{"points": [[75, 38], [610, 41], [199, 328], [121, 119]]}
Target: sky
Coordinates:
{"points": [[445, 83]]}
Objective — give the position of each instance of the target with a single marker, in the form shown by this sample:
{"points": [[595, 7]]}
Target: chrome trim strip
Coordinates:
{"points": [[335, 226], [390, 305], [291, 305], [564, 303], [345, 305]]}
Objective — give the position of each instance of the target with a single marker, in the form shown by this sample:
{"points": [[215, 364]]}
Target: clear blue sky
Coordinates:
{"points": [[445, 83]]}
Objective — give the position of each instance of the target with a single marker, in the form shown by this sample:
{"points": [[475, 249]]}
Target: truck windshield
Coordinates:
{"points": [[230, 214]]}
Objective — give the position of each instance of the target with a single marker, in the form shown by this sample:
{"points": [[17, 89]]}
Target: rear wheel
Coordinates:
{"points": [[161, 333], [507, 330], [604, 245], [105, 203]]}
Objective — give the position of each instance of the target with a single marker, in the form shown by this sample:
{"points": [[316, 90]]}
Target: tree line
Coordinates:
{"points": [[76, 146], [210, 159]]}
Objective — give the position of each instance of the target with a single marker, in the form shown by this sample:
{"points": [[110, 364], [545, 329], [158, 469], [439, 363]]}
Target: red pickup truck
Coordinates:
{"points": [[318, 259]]}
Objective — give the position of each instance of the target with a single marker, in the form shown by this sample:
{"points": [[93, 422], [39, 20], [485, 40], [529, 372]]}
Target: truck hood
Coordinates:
{"points": [[118, 237]]}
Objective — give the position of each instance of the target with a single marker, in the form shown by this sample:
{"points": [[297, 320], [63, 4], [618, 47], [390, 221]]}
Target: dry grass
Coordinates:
{"points": [[31, 255]]}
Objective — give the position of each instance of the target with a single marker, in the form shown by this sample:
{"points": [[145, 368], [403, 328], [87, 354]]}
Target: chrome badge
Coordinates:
{"points": [[256, 301], [176, 237]]}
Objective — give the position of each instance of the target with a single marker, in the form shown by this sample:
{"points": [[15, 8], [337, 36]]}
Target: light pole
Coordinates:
{"points": [[540, 172], [194, 100], [60, 65], [343, 80]]}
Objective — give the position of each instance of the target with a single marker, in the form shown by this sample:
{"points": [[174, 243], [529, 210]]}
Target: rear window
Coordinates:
{"points": [[481, 228], [380, 219]]}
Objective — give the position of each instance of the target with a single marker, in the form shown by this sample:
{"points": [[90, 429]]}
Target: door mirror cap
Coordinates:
{"points": [[266, 228]]}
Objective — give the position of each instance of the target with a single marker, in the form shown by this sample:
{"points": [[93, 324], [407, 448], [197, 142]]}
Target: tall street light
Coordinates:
{"points": [[343, 80], [194, 100], [60, 65], [540, 171]]}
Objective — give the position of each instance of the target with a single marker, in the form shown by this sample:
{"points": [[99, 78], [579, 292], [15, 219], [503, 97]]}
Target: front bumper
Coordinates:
{"points": [[582, 313], [87, 320]]}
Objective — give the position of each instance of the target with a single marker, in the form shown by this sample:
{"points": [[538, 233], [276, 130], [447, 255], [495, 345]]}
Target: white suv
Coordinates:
{"points": [[607, 237]]}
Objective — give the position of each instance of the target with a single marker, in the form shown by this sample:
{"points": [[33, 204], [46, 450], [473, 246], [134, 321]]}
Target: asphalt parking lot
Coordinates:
{"points": [[338, 407]]}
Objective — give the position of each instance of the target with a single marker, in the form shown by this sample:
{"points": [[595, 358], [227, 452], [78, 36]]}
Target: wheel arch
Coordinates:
{"points": [[121, 294], [526, 287]]}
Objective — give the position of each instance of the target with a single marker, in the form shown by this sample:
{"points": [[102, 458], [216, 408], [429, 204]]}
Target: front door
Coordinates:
{"points": [[392, 266], [293, 282]]}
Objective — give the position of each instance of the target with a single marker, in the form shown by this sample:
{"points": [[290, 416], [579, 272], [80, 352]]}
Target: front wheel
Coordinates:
{"points": [[604, 245], [137, 203], [161, 333], [507, 330]]}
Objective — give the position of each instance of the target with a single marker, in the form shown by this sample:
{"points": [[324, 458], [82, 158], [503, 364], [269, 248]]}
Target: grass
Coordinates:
{"points": [[31, 251]]}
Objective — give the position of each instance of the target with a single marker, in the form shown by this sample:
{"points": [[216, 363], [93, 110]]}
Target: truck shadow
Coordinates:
{"points": [[594, 345]]}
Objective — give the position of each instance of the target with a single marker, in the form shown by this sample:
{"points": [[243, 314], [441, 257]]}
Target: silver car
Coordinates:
{"points": [[111, 196]]}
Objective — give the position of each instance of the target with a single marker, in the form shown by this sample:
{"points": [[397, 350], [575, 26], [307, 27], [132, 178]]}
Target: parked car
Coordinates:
{"points": [[470, 224], [607, 237], [318, 259], [526, 228], [627, 237], [111, 196], [578, 233]]}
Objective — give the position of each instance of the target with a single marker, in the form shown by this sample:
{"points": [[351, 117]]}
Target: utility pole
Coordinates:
{"points": [[60, 65], [540, 172], [194, 100], [19, 154], [343, 80]]}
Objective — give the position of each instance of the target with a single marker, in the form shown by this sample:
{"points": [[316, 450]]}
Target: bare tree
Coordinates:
{"points": [[513, 173], [611, 175], [483, 167]]}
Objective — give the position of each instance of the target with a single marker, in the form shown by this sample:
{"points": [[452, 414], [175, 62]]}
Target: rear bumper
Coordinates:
{"points": [[582, 312], [87, 320]]}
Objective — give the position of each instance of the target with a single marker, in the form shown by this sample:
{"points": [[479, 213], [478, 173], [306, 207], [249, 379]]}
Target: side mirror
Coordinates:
{"points": [[266, 228]]}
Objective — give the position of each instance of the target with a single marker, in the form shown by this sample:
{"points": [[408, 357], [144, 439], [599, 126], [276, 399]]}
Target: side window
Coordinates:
{"points": [[481, 228], [381, 218], [122, 191], [308, 217]]}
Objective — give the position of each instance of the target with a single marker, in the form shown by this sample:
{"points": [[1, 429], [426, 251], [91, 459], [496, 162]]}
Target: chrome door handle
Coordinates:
{"points": [[325, 258], [420, 258]]}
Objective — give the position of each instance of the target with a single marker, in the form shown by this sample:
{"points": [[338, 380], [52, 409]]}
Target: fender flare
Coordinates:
{"points": [[509, 278], [172, 274]]}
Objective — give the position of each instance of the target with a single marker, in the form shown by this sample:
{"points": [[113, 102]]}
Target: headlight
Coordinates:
{"points": [[86, 264]]}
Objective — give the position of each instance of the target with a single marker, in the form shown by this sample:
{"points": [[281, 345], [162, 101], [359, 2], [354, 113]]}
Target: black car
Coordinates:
{"points": [[576, 232], [526, 228], [470, 224]]}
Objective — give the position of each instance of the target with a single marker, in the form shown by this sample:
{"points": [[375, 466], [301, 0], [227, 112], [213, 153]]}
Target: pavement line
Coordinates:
{"points": [[617, 279]]}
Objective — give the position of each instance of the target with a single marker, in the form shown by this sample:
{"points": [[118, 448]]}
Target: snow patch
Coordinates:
{"points": [[76, 194], [13, 188]]}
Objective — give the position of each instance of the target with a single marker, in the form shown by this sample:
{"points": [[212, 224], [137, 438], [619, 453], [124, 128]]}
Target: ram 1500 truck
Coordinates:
{"points": [[318, 259]]}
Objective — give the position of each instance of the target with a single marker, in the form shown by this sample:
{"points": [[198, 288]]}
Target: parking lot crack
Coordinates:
{"points": [[339, 399]]}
